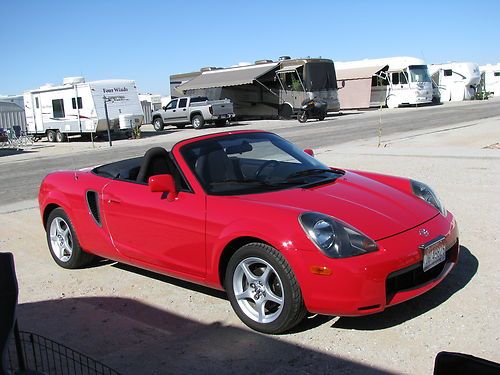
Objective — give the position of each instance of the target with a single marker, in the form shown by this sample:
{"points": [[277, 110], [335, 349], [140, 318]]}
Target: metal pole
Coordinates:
{"points": [[107, 119]]}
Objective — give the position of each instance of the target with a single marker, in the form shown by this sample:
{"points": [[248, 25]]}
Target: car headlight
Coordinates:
{"points": [[424, 192], [335, 238]]}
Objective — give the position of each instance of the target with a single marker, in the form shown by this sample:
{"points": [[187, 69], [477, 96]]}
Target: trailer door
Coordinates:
{"points": [[37, 113]]}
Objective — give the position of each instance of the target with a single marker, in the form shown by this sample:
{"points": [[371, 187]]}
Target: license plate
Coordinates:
{"points": [[434, 252]]}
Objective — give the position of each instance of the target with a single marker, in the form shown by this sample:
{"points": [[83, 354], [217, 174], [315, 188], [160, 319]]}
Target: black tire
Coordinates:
{"points": [[220, 123], [198, 122], [281, 283], [321, 118], [76, 257], [302, 117], [158, 124], [180, 126], [51, 135], [60, 137], [285, 112]]}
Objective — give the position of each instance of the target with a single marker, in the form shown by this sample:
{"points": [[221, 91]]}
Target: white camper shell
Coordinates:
{"points": [[491, 78], [77, 107], [405, 81], [456, 81]]}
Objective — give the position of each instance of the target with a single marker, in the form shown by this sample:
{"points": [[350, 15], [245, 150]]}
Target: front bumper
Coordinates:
{"points": [[369, 283]]}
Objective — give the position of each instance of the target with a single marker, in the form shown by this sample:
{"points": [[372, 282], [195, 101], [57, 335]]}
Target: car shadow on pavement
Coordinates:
{"points": [[457, 279], [13, 151], [135, 338]]}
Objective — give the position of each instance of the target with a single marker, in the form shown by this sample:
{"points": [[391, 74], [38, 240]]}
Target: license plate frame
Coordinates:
{"points": [[433, 252]]}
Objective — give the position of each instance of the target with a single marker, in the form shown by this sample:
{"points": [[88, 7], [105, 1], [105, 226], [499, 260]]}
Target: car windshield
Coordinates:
{"points": [[249, 163], [419, 73]]}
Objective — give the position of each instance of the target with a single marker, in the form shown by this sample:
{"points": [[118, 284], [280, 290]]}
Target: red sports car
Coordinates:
{"points": [[251, 213]]}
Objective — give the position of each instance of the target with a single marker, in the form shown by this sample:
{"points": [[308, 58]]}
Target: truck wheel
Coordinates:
{"points": [[61, 137], [220, 123], [51, 135], [158, 124], [198, 121]]}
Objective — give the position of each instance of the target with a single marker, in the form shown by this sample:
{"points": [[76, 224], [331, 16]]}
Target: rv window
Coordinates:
{"points": [[395, 78], [379, 81], [37, 103], [183, 103], [448, 72], [402, 78], [57, 108], [74, 102]]}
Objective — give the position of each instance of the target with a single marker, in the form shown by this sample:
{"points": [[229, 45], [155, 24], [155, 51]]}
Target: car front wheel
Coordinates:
{"points": [[63, 242], [263, 290]]}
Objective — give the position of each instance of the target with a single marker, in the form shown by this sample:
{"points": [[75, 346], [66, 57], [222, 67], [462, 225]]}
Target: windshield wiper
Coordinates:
{"points": [[309, 172]]}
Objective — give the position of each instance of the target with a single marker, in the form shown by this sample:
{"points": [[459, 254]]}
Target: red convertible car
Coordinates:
{"points": [[250, 213]]}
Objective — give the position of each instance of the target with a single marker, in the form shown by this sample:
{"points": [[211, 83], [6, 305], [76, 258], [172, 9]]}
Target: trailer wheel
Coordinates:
{"points": [[198, 121], [61, 137], [51, 135], [158, 124]]}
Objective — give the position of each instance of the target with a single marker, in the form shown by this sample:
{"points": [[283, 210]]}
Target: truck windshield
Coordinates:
{"points": [[320, 76], [419, 73]]}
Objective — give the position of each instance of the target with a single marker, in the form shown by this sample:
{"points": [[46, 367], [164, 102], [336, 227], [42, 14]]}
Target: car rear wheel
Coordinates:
{"points": [[158, 124], [63, 242], [198, 121], [263, 290]]}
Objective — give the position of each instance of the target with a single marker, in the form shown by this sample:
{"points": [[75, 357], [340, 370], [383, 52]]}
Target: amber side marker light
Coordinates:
{"points": [[321, 270]]}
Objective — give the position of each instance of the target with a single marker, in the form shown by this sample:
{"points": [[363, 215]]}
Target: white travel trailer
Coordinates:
{"points": [[78, 107], [456, 81], [403, 81], [491, 78]]}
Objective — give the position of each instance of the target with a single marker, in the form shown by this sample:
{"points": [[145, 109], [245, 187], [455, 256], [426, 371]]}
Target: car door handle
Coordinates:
{"points": [[184, 110], [173, 110], [113, 200]]}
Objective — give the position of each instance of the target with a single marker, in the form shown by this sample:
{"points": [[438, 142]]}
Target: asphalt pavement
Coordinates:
{"points": [[22, 172]]}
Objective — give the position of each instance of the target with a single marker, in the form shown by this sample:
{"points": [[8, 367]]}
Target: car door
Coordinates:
{"points": [[149, 228], [172, 114]]}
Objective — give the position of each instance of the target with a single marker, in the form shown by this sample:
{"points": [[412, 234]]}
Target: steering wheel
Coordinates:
{"points": [[266, 164]]}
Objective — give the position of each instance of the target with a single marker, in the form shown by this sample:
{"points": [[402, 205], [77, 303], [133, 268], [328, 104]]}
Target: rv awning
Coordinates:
{"points": [[228, 77], [290, 68], [358, 73]]}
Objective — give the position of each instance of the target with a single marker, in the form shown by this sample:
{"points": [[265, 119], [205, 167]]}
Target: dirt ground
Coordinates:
{"points": [[142, 323]]}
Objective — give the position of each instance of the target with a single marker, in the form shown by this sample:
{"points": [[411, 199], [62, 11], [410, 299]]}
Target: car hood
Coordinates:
{"points": [[374, 208]]}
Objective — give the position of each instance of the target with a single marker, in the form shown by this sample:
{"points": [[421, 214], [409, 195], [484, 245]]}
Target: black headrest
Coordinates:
{"points": [[156, 161]]}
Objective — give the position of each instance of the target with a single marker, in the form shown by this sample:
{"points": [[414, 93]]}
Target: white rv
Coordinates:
{"points": [[491, 78], [78, 107], [406, 81], [456, 81]]}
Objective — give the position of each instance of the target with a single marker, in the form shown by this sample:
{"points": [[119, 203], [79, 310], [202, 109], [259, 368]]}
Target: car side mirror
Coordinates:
{"points": [[310, 152], [163, 183]]}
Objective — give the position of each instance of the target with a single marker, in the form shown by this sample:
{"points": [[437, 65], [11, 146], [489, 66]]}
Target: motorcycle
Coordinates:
{"points": [[312, 108]]}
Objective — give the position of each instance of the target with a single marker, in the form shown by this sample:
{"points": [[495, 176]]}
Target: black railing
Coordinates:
{"points": [[29, 351]]}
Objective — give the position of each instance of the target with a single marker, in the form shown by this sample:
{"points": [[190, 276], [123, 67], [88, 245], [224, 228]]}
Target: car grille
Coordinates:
{"points": [[414, 276]]}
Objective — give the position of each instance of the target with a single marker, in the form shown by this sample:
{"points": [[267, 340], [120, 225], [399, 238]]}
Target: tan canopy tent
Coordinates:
{"points": [[358, 84]]}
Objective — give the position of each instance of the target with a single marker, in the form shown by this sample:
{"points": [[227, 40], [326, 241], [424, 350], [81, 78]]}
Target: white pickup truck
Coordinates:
{"points": [[193, 110]]}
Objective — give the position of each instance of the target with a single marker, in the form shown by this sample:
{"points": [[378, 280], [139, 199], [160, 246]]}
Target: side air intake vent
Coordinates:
{"points": [[93, 204]]}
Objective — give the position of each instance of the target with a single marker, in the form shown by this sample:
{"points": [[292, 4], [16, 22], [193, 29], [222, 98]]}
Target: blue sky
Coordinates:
{"points": [[44, 41]]}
